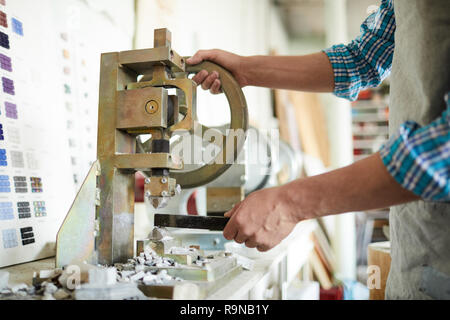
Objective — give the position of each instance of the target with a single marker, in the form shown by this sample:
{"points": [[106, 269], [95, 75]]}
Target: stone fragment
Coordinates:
{"points": [[140, 260], [18, 287], [61, 294], [149, 278], [49, 288], [159, 234], [139, 268], [137, 276], [47, 296], [103, 276]]}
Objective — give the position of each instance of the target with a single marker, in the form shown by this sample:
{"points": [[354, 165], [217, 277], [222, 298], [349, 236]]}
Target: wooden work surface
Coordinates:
{"points": [[23, 273], [294, 251]]}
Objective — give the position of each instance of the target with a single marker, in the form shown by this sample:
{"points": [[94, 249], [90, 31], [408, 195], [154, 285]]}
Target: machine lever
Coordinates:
{"points": [[190, 222]]}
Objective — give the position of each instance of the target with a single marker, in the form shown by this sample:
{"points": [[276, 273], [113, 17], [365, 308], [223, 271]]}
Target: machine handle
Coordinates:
{"points": [[239, 120]]}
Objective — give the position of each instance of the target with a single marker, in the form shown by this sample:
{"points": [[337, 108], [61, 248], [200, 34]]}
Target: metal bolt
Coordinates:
{"points": [[163, 180], [147, 193], [147, 180], [151, 106], [164, 193]]}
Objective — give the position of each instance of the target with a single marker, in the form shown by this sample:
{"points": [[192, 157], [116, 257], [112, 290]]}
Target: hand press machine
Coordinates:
{"points": [[135, 99]]}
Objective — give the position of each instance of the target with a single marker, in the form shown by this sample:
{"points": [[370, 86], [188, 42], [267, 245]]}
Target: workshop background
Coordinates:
{"points": [[50, 58]]}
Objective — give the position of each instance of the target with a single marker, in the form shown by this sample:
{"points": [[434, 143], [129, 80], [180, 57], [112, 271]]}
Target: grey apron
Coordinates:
{"points": [[420, 231]]}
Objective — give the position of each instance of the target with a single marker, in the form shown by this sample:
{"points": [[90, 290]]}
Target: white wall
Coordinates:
{"points": [[244, 27]]}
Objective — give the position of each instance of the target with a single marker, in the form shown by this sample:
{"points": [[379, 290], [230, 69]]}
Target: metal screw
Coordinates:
{"points": [[147, 180], [164, 193], [147, 193], [163, 180]]}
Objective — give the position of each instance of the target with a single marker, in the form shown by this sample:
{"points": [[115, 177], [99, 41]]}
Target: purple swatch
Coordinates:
{"points": [[11, 110], [8, 86], [5, 62]]}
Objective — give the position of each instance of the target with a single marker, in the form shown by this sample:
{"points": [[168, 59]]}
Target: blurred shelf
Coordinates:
{"points": [[370, 122], [371, 131], [370, 104], [368, 144], [369, 117]]}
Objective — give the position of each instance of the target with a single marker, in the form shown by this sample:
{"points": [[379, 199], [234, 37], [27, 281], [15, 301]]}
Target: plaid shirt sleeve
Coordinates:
{"points": [[367, 60], [419, 157]]}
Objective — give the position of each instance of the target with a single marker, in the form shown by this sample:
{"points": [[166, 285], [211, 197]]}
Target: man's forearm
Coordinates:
{"points": [[311, 72], [364, 185]]}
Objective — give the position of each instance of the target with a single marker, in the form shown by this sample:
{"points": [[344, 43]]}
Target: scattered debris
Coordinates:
{"points": [[46, 276], [121, 281], [19, 287], [96, 282]]}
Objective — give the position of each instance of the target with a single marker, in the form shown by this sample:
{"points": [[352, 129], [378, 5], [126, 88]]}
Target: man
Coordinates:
{"points": [[411, 172]]}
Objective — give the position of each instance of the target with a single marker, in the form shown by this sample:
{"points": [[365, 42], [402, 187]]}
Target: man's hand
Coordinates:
{"points": [[262, 220], [267, 216], [312, 72], [230, 61]]}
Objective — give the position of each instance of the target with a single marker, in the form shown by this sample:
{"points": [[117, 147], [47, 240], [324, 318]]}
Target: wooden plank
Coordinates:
{"points": [[319, 271], [312, 125]]}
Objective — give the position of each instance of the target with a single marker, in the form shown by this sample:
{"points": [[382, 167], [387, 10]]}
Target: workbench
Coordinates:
{"points": [[269, 279]]}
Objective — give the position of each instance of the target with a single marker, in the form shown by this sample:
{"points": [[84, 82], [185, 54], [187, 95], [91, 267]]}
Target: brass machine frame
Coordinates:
{"points": [[99, 227]]}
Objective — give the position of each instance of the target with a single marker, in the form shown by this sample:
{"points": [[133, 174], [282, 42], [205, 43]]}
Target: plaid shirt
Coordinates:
{"points": [[417, 157]]}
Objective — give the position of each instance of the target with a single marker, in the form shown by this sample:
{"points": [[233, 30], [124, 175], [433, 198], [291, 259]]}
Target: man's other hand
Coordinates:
{"points": [[261, 220]]}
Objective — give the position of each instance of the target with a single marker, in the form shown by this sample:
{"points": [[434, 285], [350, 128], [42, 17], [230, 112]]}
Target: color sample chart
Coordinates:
{"points": [[49, 75], [20, 177]]}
